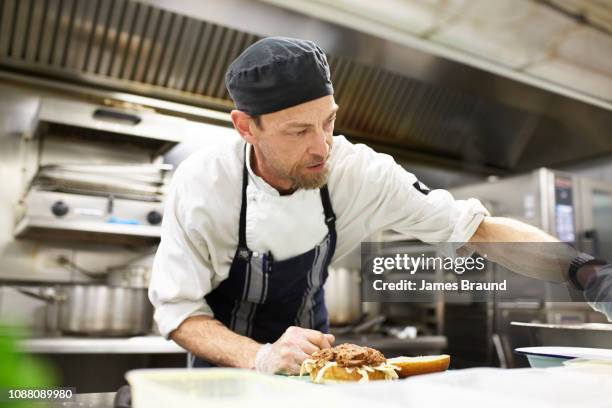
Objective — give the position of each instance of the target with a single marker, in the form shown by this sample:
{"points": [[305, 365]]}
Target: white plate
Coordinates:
{"points": [[567, 352]]}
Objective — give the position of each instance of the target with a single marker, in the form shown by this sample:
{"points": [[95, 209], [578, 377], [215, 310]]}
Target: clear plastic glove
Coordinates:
{"points": [[287, 353]]}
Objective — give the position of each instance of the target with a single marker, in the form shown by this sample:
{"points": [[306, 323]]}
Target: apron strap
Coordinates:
{"points": [[330, 217], [242, 243]]}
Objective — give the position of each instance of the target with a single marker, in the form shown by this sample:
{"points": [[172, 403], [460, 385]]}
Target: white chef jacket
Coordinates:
{"points": [[369, 193]]}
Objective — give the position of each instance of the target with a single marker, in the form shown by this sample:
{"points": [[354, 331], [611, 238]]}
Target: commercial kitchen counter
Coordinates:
{"points": [[94, 365], [91, 400], [555, 387], [87, 345]]}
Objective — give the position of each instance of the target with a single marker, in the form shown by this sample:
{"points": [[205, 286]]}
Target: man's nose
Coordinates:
{"points": [[319, 146]]}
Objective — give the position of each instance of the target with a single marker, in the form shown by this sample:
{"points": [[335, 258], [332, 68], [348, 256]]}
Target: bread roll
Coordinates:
{"points": [[409, 366]]}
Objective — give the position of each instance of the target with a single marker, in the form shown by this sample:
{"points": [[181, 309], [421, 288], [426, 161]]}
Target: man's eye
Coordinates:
{"points": [[301, 132]]}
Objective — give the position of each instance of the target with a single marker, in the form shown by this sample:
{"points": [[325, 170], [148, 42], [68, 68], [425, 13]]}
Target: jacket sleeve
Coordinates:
{"points": [[385, 196], [182, 270]]}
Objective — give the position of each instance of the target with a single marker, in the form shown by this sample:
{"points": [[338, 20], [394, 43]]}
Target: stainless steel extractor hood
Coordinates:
{"points": [[396, 95], [155, 132]]}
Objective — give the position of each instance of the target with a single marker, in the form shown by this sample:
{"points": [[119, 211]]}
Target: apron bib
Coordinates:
{"points": [[262, 297]]}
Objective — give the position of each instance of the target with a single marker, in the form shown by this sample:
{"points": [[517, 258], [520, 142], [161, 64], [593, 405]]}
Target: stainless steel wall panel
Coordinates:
{"points": [[110, 27], [119, 39], [174, 63], [220, 63], [197, 58], [132, 49], [143, 43], [94, 41], [153, 59], [20, 27], [160, 49], [7, 8], [211, 51]]}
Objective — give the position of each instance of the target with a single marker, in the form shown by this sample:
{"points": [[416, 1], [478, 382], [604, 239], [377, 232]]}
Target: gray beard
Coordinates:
{"points": [[311, 183]]}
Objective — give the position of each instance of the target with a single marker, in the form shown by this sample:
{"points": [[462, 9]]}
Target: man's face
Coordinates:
{"points": [[294, 144]]}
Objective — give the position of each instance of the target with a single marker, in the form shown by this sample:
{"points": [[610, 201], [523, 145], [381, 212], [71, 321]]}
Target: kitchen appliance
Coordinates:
{"points": [[113, 123], [595, 233], [547, 199], [572, 208], [63, 216], [145, 182], [94, 173], [96, 310]]}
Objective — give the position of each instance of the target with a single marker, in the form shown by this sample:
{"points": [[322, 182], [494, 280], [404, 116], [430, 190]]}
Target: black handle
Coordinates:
{"points": [[116, 116]]}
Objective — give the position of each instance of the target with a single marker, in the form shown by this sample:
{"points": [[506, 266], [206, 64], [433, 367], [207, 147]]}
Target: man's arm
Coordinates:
{"points": [[209, 339], [500, 229], [523, 249]]}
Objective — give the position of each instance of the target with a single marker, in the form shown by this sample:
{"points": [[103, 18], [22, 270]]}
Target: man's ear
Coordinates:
{"points": [[242, 123]]}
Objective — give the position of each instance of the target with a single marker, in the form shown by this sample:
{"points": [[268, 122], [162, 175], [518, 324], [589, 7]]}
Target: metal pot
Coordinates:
{"points": [[133, 276], [97, 310], [343, 296]]}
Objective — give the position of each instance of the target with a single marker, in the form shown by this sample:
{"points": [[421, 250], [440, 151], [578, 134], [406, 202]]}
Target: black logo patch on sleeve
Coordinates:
{"points": [[422, 188]]}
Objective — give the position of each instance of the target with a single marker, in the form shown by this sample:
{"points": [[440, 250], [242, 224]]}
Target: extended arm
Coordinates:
{"points": [[523, 248], [209, 339]]}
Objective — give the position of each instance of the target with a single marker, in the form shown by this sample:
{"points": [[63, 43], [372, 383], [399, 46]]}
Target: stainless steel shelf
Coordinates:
{"points": [[83, 231], [86, 345]]}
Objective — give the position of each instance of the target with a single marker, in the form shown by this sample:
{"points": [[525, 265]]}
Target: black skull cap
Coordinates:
{"points": [[276, 73]]}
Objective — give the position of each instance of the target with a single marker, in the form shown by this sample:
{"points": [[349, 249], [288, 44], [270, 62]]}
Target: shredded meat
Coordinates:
{"points": [[349, 355]]}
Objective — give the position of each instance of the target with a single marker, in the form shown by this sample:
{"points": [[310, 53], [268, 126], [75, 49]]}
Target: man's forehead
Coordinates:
{"points": [[306, 116]]}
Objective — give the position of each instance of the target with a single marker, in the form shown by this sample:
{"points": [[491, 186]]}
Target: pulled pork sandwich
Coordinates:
{"points": [[348, 362]]}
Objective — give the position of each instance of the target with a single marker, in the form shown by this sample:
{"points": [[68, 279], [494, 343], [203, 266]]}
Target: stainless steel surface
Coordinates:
{"points": [[88, 400], [82, 232], [87, 219], [132, 276], [563, 205], [160, 132], [530, 197], [98, 310], [394, 96], [596, 221], [499, 350], [343, 295], [36, 260], [581, 335], [136, 181], [536, 197], [116, 199], [89, 345], [99, 94], [582, 327]]}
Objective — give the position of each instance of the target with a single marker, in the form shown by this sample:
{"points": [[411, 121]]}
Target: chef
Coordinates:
{"points": [[251, 226]]}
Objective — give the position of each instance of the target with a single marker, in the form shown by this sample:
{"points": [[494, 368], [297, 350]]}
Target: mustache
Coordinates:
{"points": [[317, 159]]}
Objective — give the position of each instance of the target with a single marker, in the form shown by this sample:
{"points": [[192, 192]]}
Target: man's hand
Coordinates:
{"points": [[287, 353]]}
